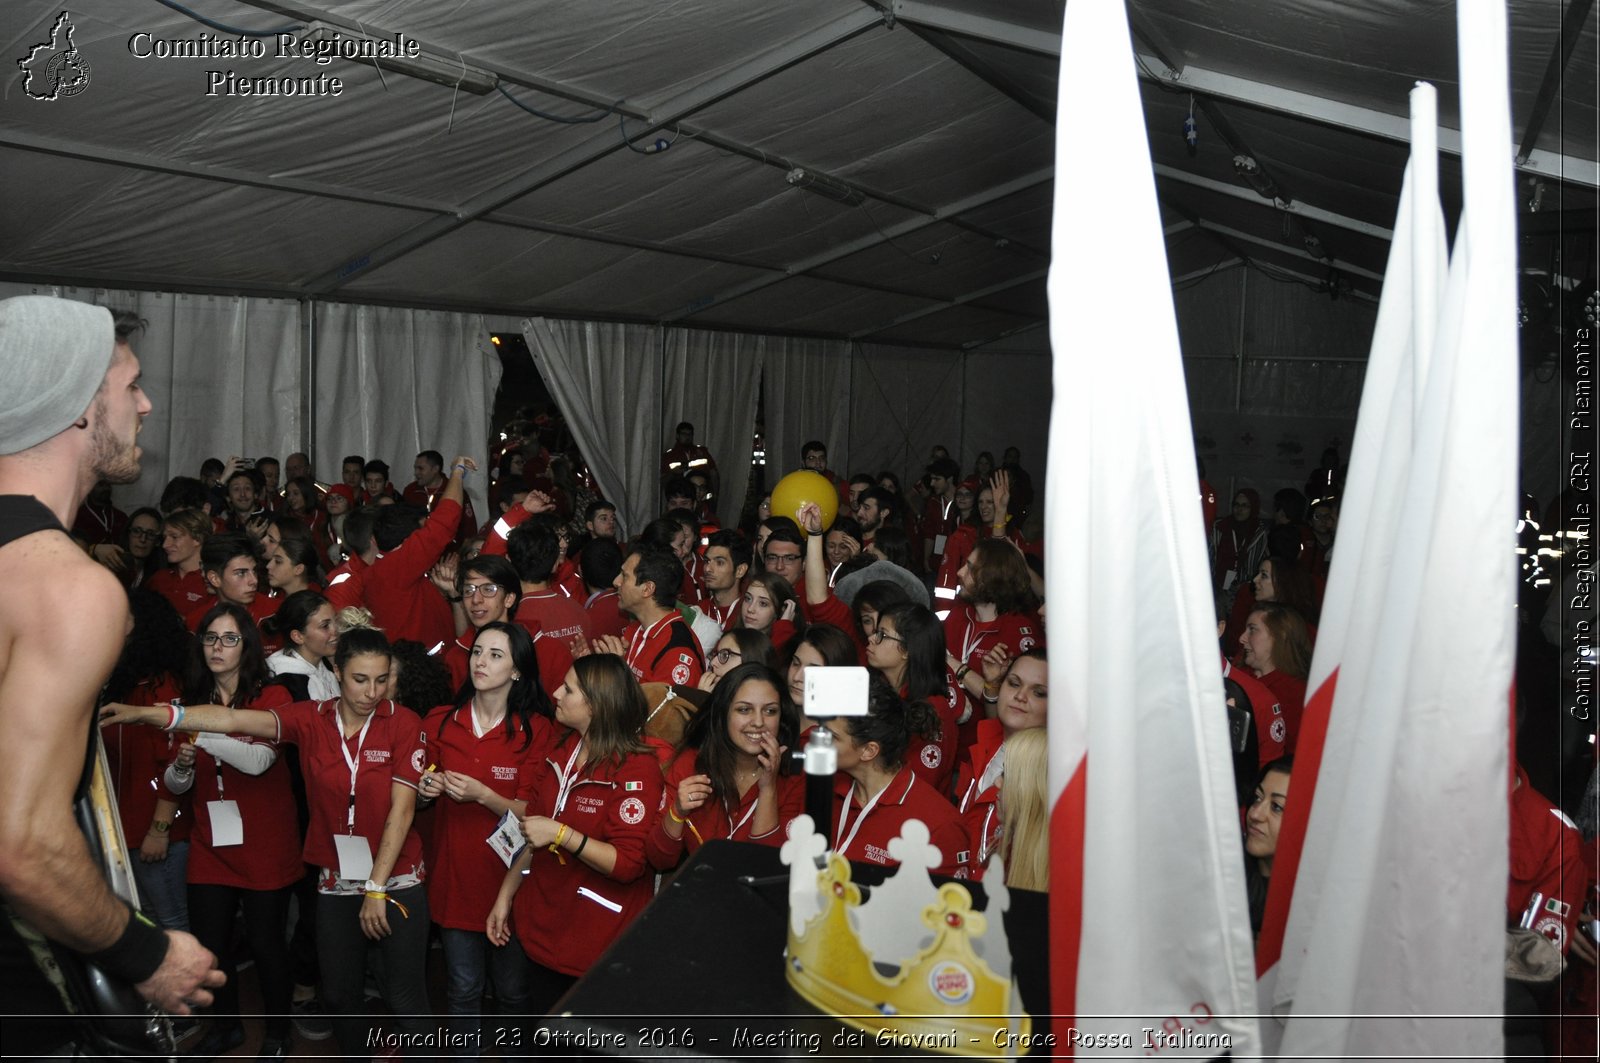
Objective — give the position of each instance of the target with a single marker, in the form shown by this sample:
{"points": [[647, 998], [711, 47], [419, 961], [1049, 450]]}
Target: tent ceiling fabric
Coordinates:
{"points": [[939, 112]]}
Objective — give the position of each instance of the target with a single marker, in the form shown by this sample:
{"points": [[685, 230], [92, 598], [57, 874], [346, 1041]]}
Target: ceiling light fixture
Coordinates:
{"points": [[450, 71], [823, 185]]}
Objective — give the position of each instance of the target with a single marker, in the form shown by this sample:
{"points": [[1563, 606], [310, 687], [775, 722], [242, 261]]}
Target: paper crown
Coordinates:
{"points": [[913, 964]]}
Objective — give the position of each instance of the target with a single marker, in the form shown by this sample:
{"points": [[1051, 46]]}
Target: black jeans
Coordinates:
{"points": [[342, 956], [266, 918]]}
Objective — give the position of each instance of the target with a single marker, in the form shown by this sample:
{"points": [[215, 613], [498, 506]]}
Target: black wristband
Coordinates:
{"points": [[579, 850], [138, 953]]}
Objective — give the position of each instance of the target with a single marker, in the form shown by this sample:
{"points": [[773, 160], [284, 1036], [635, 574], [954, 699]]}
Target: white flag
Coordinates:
{"points": [[1398, 876], [1150, 930]]}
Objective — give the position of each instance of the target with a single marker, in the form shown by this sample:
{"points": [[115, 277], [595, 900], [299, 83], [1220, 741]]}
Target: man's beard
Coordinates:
{"points": [[113, 461]]}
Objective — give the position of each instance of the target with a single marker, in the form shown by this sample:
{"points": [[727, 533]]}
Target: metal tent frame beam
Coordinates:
{"points": [[1319, 109]]}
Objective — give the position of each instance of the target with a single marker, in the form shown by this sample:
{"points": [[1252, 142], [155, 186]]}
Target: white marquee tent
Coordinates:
{"points": [[846, 197]]}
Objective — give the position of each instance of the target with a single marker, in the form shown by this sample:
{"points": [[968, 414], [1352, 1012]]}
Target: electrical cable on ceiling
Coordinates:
{"points": [[657, 146], [564, 120], [222, 28]]}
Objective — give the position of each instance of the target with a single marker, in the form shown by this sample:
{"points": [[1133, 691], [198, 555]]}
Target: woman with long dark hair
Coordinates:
{"points": [[583, 876], [310, 633], [244, 855], [907, 649], [1277, 648], [738, 645], [479, 752], [996, 609], [729, 777]]}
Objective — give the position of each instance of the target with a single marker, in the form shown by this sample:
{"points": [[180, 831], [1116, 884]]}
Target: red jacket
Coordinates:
{"points": [[1547, 857], [566, 913], [979, 805], [417, 495], [1272, 729], [403, 603], [552, 620], [138, 756], [667, 652], [347, 584]]}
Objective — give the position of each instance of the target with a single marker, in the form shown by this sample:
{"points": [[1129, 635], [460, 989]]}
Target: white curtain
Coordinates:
{"points": [[606, 378], [223, 374], [807, 387], [712, 380], [391, 382], [904, 401]]}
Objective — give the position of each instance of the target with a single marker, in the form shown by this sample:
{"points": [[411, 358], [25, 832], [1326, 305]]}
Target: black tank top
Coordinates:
{"points": [[23, 515]]}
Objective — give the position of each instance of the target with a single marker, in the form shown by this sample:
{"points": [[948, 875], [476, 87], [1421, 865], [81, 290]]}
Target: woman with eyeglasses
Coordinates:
{"points": [[183, 533], [244, 851], [583, 875], [737, 646], [139, 544], [907, 649], [729, 777], [362, 756], [480, 750]]}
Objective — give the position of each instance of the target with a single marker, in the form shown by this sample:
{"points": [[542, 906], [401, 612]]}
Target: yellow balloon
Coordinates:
{"points": [[798, 488]]}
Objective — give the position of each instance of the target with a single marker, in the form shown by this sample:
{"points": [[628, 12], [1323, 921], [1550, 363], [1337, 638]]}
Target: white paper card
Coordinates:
{"points": [[938, 544], [355, 857], [507, 840], [227, 827]]}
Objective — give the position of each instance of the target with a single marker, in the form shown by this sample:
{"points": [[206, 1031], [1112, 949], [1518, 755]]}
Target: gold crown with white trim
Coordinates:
{"points": [[913, 965]]}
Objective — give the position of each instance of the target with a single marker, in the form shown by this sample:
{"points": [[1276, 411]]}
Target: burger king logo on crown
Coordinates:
{"points": [[951, 982]]}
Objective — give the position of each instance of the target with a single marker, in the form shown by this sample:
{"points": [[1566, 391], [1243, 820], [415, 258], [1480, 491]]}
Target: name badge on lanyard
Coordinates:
{"points": [[355, 852], [227, 825]]}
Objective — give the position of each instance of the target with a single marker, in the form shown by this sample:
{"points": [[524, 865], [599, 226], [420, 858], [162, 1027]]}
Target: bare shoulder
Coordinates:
{"points": [[46, 568]]}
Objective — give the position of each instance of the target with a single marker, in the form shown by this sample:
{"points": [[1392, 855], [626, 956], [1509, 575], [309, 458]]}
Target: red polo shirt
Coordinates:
{"points": [[391, 751], [184, 592], [269, 857], [605, 615], [552, 620], [466, 873], [906, 797]]}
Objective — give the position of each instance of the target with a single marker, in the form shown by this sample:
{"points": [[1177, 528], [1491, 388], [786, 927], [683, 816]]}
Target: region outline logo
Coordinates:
{"points": [[64, 73]]}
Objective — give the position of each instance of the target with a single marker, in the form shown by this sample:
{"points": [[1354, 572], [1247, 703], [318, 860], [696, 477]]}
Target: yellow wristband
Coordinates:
{"points": [[561, 834], [378, 894], [673, 812]]}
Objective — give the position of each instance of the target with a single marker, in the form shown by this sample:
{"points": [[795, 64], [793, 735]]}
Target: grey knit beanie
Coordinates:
{"points": [[54, 353]]}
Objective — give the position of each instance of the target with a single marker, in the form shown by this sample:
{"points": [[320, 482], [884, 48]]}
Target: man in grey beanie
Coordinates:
{"points": [[69, 415]]}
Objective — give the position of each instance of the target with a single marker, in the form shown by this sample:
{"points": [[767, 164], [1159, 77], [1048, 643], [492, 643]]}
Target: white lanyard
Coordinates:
{"points": [[643, 636], [970, 642], [566, 778], [844, 819], [353, 761], [733, 828]]}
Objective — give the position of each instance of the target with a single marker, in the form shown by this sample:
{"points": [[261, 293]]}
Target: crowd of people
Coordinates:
{"points": [[345, 714]]}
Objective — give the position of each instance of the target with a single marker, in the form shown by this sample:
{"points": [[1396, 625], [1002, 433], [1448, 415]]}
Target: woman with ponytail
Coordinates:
{"points": [[884, 793]]}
